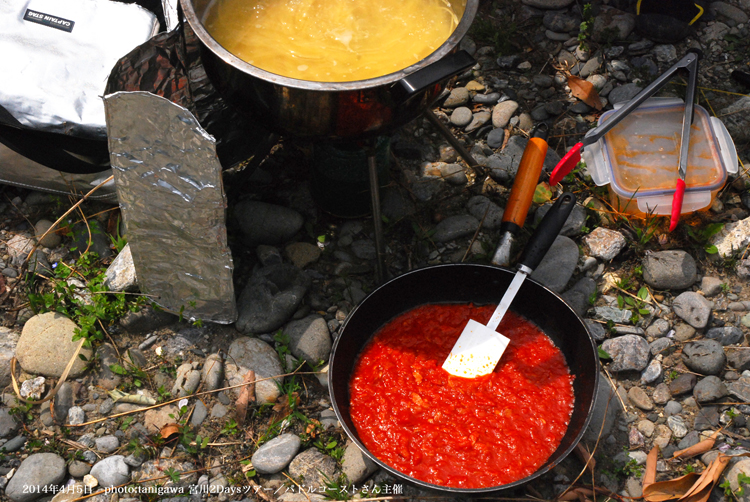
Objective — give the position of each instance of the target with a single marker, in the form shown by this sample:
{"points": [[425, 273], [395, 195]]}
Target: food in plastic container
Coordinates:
{"points": [[639, 158]]}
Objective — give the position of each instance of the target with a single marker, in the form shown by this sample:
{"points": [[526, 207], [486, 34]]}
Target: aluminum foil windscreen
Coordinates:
{"points": [[169, 184]]}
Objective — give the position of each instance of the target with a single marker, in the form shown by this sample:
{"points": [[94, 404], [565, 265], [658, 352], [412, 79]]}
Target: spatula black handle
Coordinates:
{"points": [[546, 233]]}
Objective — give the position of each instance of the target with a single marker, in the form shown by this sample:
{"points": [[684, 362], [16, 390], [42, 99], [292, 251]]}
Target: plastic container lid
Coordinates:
{"points": [[639, 157]]}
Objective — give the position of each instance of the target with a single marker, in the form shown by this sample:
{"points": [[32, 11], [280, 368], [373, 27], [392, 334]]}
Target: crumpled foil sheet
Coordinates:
{"points": [[169, 184], [15, 169]]}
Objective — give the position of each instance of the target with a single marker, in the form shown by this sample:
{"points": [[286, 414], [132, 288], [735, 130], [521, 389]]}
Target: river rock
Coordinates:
{"points": [[455, 227], [726, 335], [661, 394], [740, 388], [652, 373], [458, 96], [309, 339], [461, 116], [213, 372], [739, 359], [107, 444], [677, 425], [37, 470], [157, 418], [270, 298], [276, 454], [302, 254], [706, 418], [578, 296], [734, 237], [640, 399], [624, 93], [558, 264], [673, 269], [704, 356], [628, 352], [502, 112], [120, 275], [264, 223], [51, 240], [692, 308], [711, 286], [154, 470], [604, 243], [612, 22], [682, 384], [186, 380], [64, 400], [482, 207], [573, 224], [313, 467], [709, 389], [356, 465], [8, 343], [45, 346], [247, 354]]}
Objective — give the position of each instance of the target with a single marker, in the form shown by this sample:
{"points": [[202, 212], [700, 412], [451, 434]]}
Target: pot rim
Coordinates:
{"points": [[423, 484], [211, 44]]}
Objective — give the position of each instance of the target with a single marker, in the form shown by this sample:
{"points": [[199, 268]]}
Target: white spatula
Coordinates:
{"points": [[479, 348]]}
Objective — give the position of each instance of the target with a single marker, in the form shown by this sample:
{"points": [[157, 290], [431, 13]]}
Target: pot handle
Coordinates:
{"points": [[450, 65], [547, 231]]}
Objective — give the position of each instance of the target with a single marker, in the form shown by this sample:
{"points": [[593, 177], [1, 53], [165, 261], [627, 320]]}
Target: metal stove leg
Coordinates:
{"points": [[450, 138], [377, 219]]}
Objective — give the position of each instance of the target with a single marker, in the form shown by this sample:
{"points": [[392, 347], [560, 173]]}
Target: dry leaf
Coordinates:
{"points": [[119, 396], [247, 394], [707, 480], [282, 409], [584, 91], [698, 448], [169, 430], [650, 475], [671, 489]]}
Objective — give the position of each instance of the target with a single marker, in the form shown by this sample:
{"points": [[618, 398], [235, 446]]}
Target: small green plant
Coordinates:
{"points": [[603, 353], [632, 468], [126, 423], [725, 288], [22, 411], [587, 26], [230, 428], [688, 469], [743, 480], [331, 448], [702, 236], [636, 305], [173, 475], [671, 376], [164, 394], [118, 241]]}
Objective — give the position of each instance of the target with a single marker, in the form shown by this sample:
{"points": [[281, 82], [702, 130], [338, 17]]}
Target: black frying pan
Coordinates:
{"points": [[479, 284]]}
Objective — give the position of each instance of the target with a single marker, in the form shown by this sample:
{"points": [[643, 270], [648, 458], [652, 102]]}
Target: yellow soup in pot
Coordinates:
{"points": [[332, 40]]}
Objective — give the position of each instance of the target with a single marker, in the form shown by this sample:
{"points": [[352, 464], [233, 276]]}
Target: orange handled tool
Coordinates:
{"points": [[521, 194]]}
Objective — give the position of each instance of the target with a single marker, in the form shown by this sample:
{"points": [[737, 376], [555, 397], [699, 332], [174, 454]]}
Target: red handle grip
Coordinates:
{"points": [[566, 164], [679, 193]]}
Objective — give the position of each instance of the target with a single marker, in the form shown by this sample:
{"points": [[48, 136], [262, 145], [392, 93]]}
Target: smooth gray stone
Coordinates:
{"points": [[558, 264], [8, 423], [486, 99], [356, 465], [692, 308], [213, 372], [276, 454], [502, 112], [314, 467], [111, 471], [740, 388], [691, 439], [496, 138], [709, 389], [658, 328], [106, 407], [107, 444], [455, 227], [704, 356], [246, 354], [78, 469], [652, 373], [461, 116], [199, 414], [561, 21], [628, 352], [38, 470], [270, 298], [14, 444], [578, 296], [263, 223], [454, 174], [478, 208], [459, 96], [623, 93], [682, 384], [64, 400], [739, 359], [309, 339], [597, 331], [726, 335], [672, 269], [663, 346], [672, 408], [706, 418]]}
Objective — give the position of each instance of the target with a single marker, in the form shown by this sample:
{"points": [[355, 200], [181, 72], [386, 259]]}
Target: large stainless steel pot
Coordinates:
{"points": [[332, 110]]}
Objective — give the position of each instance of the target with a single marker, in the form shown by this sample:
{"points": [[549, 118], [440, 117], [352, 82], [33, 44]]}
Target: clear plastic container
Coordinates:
{"points": [[639, 159]]}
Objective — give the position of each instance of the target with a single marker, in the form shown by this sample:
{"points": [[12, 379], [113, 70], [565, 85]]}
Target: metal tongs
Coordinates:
{"points": [[573, 157]]}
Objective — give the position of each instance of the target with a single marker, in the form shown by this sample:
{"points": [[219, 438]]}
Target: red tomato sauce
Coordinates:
{"points": [[454, 431]]}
